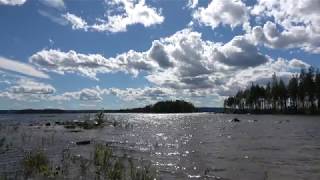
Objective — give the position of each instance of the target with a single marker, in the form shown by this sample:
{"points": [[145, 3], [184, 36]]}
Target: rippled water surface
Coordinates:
{"points": [[183, 146]]}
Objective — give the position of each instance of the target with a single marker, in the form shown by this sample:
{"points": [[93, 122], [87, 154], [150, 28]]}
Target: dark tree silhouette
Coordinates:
{"points": [[300, 95]]}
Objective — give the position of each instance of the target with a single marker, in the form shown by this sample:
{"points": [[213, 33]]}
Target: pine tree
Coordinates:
{"points": [[293, 91]]}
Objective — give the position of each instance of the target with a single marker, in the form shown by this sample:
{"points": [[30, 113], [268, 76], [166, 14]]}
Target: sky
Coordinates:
{"points": [[111, 54]]}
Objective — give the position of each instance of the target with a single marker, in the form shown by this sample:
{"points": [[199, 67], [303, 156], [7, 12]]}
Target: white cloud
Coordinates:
{"points": [[27, 89], [146, 94], [12, 2], [75, 21], [261, 74], [192, 3], [90, 65], [200, 64], [27, 86], [225, 12], [22, 68], [299, 21], [56, 18], [86, 94], [182, 65], [120, 15], [72, 62], [58, 4]]}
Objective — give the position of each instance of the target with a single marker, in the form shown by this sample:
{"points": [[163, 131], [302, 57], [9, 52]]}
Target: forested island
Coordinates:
{"points": [[177, 106], [301, 95]]}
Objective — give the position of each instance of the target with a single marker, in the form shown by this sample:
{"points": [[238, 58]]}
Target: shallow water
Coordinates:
{"points": [[183, 146]]}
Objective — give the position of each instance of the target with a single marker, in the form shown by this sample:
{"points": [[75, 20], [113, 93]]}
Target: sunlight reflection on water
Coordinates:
{"points": [[193, 146]]}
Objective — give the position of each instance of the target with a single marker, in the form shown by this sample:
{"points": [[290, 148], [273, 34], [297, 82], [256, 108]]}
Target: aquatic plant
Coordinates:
{"points": [[117, 172], [66, 157], [118, 168], [102, 155], [99, 118], [4, 177], [141, 173], [35, 163]]}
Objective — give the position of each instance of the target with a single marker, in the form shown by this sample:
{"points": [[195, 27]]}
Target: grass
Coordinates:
{"points": [[104, 165], [35, 163], [118, 168]]}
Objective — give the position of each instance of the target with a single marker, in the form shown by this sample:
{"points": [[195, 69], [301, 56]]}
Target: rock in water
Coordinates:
{"points": [[235, 120], [83, 142]]}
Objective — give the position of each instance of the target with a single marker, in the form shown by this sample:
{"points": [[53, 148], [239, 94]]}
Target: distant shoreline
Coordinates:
{"points": [[135, 110]]}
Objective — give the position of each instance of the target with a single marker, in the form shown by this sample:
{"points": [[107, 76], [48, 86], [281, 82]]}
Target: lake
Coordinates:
{"points": [[180, 146]]}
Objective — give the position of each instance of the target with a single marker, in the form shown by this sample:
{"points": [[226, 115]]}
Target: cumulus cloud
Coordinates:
{"points": [[240, 52], [90, 65], [131, 12], [199, 64], [12, 2], [120, 15], [147, 94], [296, 24], [225, 12], [181, 65], [86, 94], [27, 86], [158, 54], [27, 89], [22, 68], [72, 62]]}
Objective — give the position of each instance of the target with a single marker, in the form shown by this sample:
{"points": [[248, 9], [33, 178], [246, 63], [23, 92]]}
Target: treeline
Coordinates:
{"points": [[300, 95]]}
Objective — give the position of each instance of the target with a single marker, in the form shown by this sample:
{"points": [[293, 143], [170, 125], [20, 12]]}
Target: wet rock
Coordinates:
{"points": [[48, 124], [83, 142], [235, 120]]}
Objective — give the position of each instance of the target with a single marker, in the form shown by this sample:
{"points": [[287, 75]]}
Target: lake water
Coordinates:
{"points": [[183, 146]]}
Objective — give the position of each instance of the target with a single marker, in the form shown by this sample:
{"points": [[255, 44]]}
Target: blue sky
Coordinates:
{"points": [[128, 53]]}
